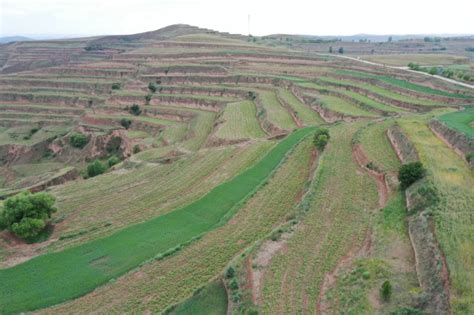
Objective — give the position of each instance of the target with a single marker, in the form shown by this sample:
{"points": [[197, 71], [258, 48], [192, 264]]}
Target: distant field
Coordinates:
{"points": [[421, 59]]}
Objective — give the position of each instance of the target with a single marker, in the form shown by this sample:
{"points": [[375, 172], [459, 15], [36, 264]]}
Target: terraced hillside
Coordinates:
{"points": [[214, 197]]}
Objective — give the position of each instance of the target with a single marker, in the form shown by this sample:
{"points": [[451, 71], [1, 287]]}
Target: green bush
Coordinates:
{"points": [[116, 86], [407, 311], [321, 138], [386, 290], [26, 214], [96, 168], [148, 98], [126, 123], [433, 71], [135, 110], [152, 87], [410, 173], [136, 149], [78, 140], [230, 273], [113, 160]]}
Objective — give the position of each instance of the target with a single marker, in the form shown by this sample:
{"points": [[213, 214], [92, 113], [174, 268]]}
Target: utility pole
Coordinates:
{"points": [[248, 24]]}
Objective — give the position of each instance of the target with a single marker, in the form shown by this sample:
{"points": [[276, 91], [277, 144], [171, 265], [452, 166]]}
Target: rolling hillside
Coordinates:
{"points": [[215, 199]]}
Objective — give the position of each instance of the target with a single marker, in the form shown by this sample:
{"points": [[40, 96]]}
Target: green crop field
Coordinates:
{"points": [[240, 122], [274, 110], [461, 121]]}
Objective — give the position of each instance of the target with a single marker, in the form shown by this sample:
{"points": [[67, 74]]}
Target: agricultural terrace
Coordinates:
{"points": [[204, 145]]}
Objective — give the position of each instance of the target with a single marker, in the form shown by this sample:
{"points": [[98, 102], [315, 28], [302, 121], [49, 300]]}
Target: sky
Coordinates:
{"points": [[311, 17]]}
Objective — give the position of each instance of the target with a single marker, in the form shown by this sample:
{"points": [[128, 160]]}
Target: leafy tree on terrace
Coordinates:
{"points": [[96, 168], [126, 123], [341, 50], [78, 140], [321, 138], [152, 87], [116, 86], [330, 49], [410, 173], [135, 110], [26, 214]]}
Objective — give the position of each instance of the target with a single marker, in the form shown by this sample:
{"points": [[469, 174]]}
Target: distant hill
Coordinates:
{"points": [[368, 37], [9, 39]]}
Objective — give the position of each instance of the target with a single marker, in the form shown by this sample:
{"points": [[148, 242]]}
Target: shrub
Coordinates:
{"points": [[116, 86], [470, 156], [386, 290], [113, 160], [113, 146], [233, 284], [433, 71], [126, 123], [152, 87], [341, 50], [26, 214], [95, 168], [410, 173], [148, 98], [330, 49], [407, 311], [230, 273], [136, 149], [78, 140], [135, 110], [321, 138]]}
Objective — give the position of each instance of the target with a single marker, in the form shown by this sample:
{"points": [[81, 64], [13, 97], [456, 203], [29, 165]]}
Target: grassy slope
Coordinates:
{"points": [[307, 115], [338, 219], [342, 106], [461, 121], [453, 216], [212, 300], [160, 284], [377, 146], [98, 261], [240, 122], [275, 112]]}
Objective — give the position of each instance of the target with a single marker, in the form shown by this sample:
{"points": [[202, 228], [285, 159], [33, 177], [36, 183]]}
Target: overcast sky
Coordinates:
{"points": [[315, 17]]}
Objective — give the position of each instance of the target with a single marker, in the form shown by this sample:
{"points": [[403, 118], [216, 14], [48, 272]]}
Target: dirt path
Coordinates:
{"points": [[400, 68]]}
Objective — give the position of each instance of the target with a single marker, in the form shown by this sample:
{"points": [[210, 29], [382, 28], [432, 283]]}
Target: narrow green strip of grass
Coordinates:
{"points": [[57, 277]]}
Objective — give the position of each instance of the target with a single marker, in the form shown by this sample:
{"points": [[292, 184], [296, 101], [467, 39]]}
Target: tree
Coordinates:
{"points": [[330, 49], [386, 290], [95, 168], [125, 122], [410, 173], [341, 50], [433, 71], [135, 110], [26, 214], [321, 138], [148, 98], [113, 160], [116, 86], [78, 140], [390, 39], [152, 87]]}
